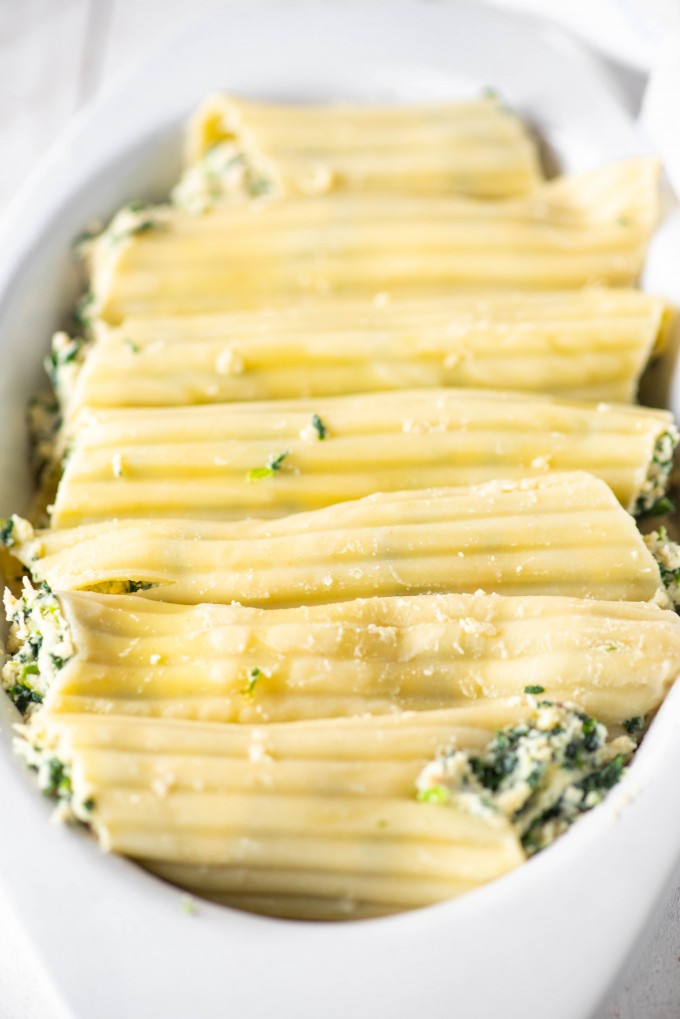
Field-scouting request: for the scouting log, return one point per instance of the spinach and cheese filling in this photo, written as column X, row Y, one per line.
column 226, row 171
column 132, row 220
column 667, row 554
column 39, row 645
column 44, row 430
column 54, row 777
column 47, row 434
column 63, row 364
column 541, row 774
column 652, row 497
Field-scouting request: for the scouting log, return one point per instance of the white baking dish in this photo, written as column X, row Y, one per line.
column 547, row 940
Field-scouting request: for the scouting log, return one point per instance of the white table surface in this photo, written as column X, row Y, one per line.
column 57, row 54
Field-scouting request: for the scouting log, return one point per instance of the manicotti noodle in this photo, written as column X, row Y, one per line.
column 311, row 820
column 558, row 534
column 476, row 147
column 571, row 232
column 591, row 345
column 230, row 663
column 269, row 459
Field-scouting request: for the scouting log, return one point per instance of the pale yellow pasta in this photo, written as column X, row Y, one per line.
column 588, row 229
column 268, row 460
column 559, row 534
column 591, row 345
column 308, row 811
column 476, row 147
column 398, row 737
column 229, row 663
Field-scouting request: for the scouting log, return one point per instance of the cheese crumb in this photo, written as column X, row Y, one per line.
column 228, row 362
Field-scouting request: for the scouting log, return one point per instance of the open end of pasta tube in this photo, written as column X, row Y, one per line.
column 19, row 541
column 227, row 171
column 541, row 774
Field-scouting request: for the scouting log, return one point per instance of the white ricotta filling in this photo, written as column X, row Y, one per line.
column 541, row 775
